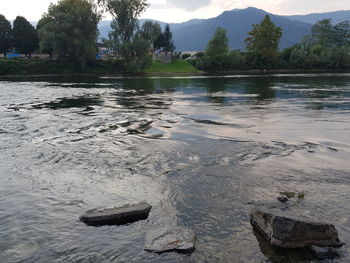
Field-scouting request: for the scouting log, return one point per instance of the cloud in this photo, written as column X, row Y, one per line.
column 188, row 5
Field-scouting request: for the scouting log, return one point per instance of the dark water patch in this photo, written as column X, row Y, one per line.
column 66, row 103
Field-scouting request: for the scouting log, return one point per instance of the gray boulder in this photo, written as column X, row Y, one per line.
column 170, row 239
column 287, row 232
column 117, row 216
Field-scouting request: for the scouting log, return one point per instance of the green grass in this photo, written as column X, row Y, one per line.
column 177, row 66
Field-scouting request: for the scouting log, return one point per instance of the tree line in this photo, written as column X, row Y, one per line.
column 22, row 36
column 327, row 47
column 69, row 30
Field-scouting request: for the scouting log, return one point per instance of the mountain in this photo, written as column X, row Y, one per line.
column 238, row 23
column 194, row 35
column 337, row 17
column 105, row 26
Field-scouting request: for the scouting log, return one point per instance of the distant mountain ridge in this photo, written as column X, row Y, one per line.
column 238, row 23
column 336, row 16
column 194, row 34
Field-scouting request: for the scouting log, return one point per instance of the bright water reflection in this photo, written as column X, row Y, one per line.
column 202, row 151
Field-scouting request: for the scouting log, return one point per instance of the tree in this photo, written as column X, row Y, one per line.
column 125, row 36
column 159, row 42
column 5, row 35
column 263, row 43
column 125, row 14
column 323, row 33
column 150, row 31
column 69, row 29
column 218, row 45
column 342, row 34
column 168, row 42
column 46, row 36
column 25, row 37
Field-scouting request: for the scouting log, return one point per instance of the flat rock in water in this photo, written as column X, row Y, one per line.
column 324, row 252
column 170, row 239
column 294, row 233
column 117, row 216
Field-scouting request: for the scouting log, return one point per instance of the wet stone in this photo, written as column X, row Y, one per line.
column 282, row 198
column 117, row 216
column 287, row 232
column 324, row 252
column 178, row 239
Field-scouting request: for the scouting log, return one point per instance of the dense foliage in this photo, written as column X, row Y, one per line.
column 165, row 41
column 126, row 39
column 5, row 35
column 150, row 31
column 263, row 42
column 328, row 47
column 69, row 29
column 25, row 37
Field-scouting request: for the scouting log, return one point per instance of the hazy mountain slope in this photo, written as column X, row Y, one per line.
column 337, row 16
column 195, row 34
column 237, row 23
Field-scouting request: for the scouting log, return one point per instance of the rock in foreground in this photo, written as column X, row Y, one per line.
column 174, row 239
column 294, row 233
column 117, row 216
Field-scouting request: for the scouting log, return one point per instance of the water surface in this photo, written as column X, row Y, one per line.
column 203, row 151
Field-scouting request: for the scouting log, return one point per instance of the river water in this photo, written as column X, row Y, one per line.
column 203, row 151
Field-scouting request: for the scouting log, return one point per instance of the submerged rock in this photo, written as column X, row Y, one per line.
column 324, row 252
column 282, row 198
column 174, row 239
column 286, row 232
column 287, row 196
column 117, row 216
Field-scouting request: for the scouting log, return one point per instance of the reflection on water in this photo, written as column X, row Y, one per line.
column 203, row 151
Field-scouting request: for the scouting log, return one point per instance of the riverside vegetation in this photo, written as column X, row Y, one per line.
column 71, row 43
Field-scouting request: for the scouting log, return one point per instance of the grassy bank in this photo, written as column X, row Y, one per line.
column 50, row 66
column 100, row 67
column 177, row 66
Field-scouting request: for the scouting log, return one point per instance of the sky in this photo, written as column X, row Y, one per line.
column 184, row 10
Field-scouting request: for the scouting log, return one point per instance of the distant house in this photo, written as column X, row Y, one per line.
column 192, row 55
column 103, row 51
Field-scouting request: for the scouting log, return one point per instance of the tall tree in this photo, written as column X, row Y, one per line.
column 125, row 36
column 151, row 31
column 69, row 29
column 125, row 14
column 342, row 34
column 5, row 35
column 46, row 35
column 218, row 45
column 323, row 33
column 168, row 44
column 25, row 37
column 263, row 43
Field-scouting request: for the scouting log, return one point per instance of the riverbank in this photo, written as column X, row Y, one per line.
column 56, row 68
column 51, row 67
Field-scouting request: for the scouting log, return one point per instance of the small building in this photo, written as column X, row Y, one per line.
column 191, row 55
column 103, row 51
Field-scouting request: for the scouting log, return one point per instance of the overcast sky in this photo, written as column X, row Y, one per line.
column 183, row 10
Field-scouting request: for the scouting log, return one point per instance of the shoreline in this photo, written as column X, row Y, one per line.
column 175, row 74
